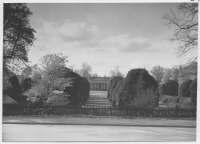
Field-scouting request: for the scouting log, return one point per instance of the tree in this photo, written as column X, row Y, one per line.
column 185, row 21
column 175, row 73
column 53, row 66
column 167, row 74
column 27, row 72
column 136, row 79
column 157, row 73
column 116, row 72
column 85, row 70
column 95, row 75
column 18, row 35
column 71, row 67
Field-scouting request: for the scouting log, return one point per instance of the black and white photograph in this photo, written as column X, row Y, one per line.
column 102, row 71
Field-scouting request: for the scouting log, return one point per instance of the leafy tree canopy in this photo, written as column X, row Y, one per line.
column 18, row 35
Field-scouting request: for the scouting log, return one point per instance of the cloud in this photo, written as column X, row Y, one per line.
column 69, row 31
column 84, row 35
column 82, row 41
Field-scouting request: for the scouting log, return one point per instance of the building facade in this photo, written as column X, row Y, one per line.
column 99, row 83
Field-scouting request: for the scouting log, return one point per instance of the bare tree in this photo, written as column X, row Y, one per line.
column 116, row 72
column 85, row 70
column 157, row 72
column 185, row 21
column 71, row 67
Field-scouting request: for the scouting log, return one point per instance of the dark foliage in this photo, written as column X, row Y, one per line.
column 18, row 35
column 193, row 92
column 26, row 84
column 169, row 88
column 135, row 78
column 79, row 90
column 86, row 89
column 184, row 89
column 15, row 92
column 16, row 88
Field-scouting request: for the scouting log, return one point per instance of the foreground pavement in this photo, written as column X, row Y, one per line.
column 100, row 121
column 24, row 132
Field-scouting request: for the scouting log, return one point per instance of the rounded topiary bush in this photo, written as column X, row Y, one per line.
column 193, row 92
column 136, row 79
column 16, row 88
column 169, row 88
column 15, row 92
column 75, row 89
column 184, row 89
column 26, row 84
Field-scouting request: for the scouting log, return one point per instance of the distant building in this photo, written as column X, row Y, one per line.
column 99, row 83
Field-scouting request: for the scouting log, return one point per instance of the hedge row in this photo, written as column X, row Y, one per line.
column 78, row 91
column 187, row 89
column 123, row 92
column 169, row 88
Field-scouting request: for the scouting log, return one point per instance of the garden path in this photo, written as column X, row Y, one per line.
column 98, row 98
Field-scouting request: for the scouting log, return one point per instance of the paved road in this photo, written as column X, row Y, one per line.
column 14, row 132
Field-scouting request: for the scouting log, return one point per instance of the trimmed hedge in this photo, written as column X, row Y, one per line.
column 15, row 92
column 184, row 89
column 193, row 92
column 134, row 79
column 79, row 90
column 169, row 88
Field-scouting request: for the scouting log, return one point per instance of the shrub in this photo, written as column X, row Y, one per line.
column 16, row 88
column 169, row 100
column 115, row 80
column 26, row 84
column 15, row 91
column 185, row 102
column 184, row 89
column 75, row 90
column 60, row 83
column 134, row 78
column 36, row 78
column 169, row 88
column 115, row 98
column 193, row 92
column 37, row 94
column 109, row 86
column 144, row 99
column 58, row 98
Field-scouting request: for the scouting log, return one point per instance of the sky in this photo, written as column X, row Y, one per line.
column 105, row 35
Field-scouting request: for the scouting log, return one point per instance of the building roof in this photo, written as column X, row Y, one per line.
column 99, row 79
